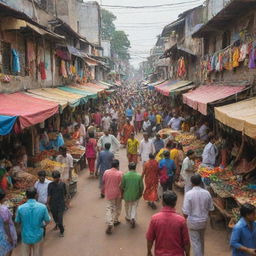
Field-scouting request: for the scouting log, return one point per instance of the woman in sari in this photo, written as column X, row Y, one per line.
column 91, row 152
column 127, row 130
column 151, row 175
column 8, row 235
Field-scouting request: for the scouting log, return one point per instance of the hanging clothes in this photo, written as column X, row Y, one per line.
column 236, row 55
column 243, row 52
column 15, row 61
column 42, row 70
column 181, row 67
column 63, row 69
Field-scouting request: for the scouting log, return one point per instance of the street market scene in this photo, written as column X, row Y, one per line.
column 127, row 128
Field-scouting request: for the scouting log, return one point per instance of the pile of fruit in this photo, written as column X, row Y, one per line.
column 43, row 155
column 185, row 138
column 168, row 132
column 206, row 172
column 76, row 150
column 24, row 180
column 49, row 166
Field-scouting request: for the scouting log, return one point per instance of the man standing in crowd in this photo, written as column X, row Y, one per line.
column 210, row 153
column 243, row 238
column 147, row 126
column 104, row 162
column 146, row 148
column 167, row 171
column 129, row 113
column 32, row 216
column 168, row 230
column 188, row 170
column 132, row 149
column 111, row 139
column 111, row 186
column 57, row 194
column 175, row 122
column 132, row 187
column 41, row 187
column 196, row 207
column 106, row 121
column 158, row 143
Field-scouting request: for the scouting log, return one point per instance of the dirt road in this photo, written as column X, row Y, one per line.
column 85, row 227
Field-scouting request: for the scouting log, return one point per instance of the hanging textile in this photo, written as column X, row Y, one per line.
column 42, row 70
column 15, row 61
column 243, row 52
column 63, row 69
column 236, row 55
column 181, row 67
column 252, row 58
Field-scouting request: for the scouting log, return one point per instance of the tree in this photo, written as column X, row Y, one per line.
column 107, row 27
column 120, row 44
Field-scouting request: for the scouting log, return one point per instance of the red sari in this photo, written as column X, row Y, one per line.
column 151, row 173
column 128, row 129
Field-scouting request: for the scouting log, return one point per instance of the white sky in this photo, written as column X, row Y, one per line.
column 143, row 25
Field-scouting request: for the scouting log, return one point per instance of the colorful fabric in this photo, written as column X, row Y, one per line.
column 15, row 61
column 6, row 124
column 236, row 55
column 6, row 216
column 91, row 146
column 128, row 129
column 63, row 69
column 42, row 70
column 151, row 173
column 132, row 146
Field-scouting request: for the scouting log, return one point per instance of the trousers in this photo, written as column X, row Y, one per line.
column 91, row 164
column 32, row 249
column 131, row 209
column 57, row 214
column 197, row 241
column 113, row 210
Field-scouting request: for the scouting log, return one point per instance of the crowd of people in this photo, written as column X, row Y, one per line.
column 126, row 114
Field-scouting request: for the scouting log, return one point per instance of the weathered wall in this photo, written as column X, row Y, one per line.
column 89, row 21
column 215, row 6
column 106, row 48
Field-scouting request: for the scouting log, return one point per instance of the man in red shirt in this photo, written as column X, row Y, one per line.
column 168, row 230
column 112, row 179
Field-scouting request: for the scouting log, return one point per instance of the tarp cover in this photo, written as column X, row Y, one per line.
column 172, row 86
column 240, row 116
column 152, row 85
column 6, row 124
column 200, row 97
column 84, row 93
column 30, row 110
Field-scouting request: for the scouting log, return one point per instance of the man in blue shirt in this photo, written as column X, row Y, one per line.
column 243, row 238
column 129, row 112
column 104, row 163
column 167, row 171
column 32, row 216
column 158, row 143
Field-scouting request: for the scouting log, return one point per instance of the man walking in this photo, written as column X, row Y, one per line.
column 132, row 187
column 146, row 148
column 111, row 139
column 168, row 230
column 132, row 149
column 41, row 187
column 57, row 194
column 32, row 216
column 243, row 238
column 197, row 205
column 112, row 179
column 104, row 163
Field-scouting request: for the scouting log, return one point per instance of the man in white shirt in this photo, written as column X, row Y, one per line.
column 41, row 187
column 106, row 121
column 188, row 170
column 175, row 122
column 196, row 207
column 67, row 159
column 146, row 126
column 146, row 148
column 210, row 153
column 86, row 119
column 111, row 139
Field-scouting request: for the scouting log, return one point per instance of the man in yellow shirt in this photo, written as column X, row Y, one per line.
column 132, row 149
column 159, row 120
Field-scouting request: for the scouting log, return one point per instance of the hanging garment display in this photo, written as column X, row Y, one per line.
column 42, row 70
column 236, row 55
column 181, row 67
column 63, row 69
column 243, row 52
column 252, row 57
column 15, row 61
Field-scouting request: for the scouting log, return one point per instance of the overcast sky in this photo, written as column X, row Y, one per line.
column 143, row 25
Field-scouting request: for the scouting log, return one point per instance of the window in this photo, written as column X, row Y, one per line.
column 6, row 57
column 226, row 39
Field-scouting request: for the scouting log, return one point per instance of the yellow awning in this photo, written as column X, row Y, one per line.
column 240, row 116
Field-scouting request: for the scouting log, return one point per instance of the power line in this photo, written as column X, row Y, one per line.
column 149, row 6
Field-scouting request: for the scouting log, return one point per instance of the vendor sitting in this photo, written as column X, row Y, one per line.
column 5, row 179
column 76, row 134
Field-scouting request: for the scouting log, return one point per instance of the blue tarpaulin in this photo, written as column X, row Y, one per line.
column 6, row 124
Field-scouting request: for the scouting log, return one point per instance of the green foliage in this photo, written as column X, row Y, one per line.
column 107, row 27
column 120, row 43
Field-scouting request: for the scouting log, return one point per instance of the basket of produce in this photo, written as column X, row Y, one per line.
column 24, row 180
column 49, row 166
column 168, row 132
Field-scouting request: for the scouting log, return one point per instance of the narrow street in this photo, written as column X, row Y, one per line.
column 85, row 227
